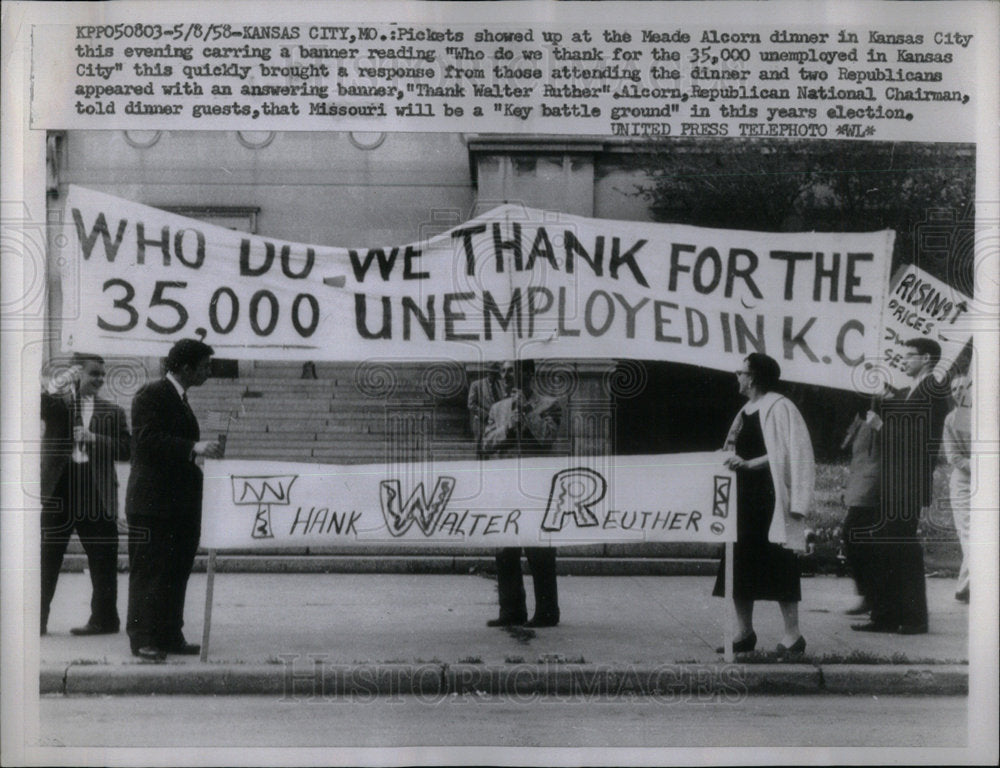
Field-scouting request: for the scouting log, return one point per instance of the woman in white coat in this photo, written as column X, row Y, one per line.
column 771, row 453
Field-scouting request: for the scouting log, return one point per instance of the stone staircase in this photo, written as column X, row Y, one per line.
column 336, row 418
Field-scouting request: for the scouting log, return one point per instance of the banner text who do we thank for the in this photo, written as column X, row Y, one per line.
column 513, row 281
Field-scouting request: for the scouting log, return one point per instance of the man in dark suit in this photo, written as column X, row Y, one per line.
column 84, row 436
column 523, row 423
column 163, row 503
column 910, row 424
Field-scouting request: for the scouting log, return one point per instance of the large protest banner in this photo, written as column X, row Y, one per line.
column 549, row 501
column 513, row 281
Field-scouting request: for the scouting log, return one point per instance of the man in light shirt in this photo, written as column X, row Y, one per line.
column 84, row 436
column 483, row 393
column 958, row 451
column 524, row 423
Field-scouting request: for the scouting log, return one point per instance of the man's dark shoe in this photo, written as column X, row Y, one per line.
column 184, row 649
column 507, row 621
column 149, row 653
column 874, row 626
column 859, row 609
column 94, row 629
column 543, row 621
column 963, row 596
column 912, row 629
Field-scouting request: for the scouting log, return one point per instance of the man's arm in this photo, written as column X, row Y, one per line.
column 939, row 412
column 477, row 412
column 499, row 427
column 154, row 442
column 852, row 432
column 57, row 390
column 542, row 421
column 953, row 444
column 117, row 444
column 53, row 408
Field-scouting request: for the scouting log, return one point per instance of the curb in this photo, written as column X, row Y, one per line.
column 295, row 680
column 946, row 679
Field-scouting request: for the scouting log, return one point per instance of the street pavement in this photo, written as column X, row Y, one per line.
column 936, row 725
column 405, row 632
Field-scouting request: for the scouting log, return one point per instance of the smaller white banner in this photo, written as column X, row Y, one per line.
column 549, row 501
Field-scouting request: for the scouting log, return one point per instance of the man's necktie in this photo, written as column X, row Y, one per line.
column 187, row 407
column 79, row 449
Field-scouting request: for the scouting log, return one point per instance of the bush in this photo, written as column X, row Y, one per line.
column 942, row 552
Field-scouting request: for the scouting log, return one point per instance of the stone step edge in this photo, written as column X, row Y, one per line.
column 296, row 678
column 429, row 564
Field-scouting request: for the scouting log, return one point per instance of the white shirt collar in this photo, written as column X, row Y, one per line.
column 177, row 385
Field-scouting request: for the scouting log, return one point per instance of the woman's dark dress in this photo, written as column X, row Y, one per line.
column 761, row 570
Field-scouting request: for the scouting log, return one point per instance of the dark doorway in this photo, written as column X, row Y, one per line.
column 686, row 408
column 681, row 408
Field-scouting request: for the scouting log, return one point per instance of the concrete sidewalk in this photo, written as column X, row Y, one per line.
column 335, row 634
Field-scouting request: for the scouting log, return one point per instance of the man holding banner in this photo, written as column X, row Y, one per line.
column 910, row 425
column 524, row 423
column 163, row 503
column 483, row 393
column 84, row 436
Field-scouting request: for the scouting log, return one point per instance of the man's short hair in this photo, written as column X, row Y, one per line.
column 79, row 358
column 925, row 346
column 187, row 352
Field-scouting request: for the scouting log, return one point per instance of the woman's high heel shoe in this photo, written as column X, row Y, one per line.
column 798, row 647
column 745, row 645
